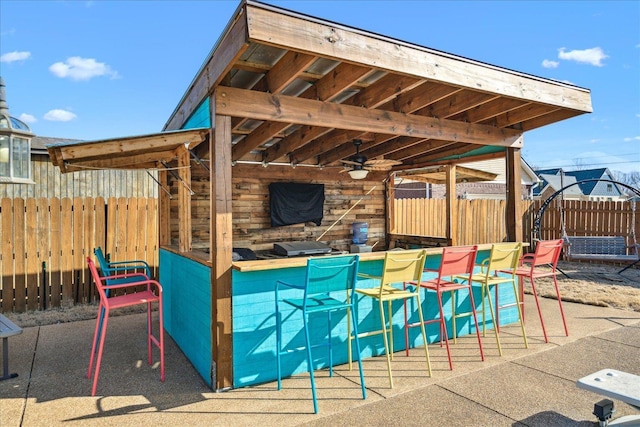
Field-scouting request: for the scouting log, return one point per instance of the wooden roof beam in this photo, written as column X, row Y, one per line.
column 417, row 147
column 347, row 149
column 455, row 104
column 488, row 110
column 384, row 90
column 302, row 136
column 548, row 118
column 287, row 70
column 420, row 97
column 522, row 114
column 288, row 109
column 327, row 142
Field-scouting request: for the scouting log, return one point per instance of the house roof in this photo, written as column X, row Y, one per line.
column 39, row 143
column 586, row 188
column 300, row 89
column 589, row 174
column 556, row 182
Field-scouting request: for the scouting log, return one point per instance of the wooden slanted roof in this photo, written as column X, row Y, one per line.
column 438, row 175
column 300, row 90
column 136, row 152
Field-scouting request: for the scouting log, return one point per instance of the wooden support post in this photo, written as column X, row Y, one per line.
column 514, row 195
column 164, row 210
column 184, row 200
column 391, row 213
column 452, row 205
column 221, row 251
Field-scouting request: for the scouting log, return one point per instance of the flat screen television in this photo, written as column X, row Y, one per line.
column 295, row 203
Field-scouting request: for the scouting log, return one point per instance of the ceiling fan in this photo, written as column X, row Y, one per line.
column 360, row 165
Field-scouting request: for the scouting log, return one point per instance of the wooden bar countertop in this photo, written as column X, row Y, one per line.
column 272, row 264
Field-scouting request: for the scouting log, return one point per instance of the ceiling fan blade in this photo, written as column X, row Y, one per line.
column 382, row 162
column 351, row 162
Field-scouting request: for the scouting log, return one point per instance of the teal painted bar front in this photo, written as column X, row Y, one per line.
column 186, row 287
column 254, row 338
column 187, row 301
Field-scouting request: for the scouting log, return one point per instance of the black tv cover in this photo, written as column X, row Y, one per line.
column 293, row 203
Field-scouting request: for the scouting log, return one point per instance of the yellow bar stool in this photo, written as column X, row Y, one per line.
column 400, row 268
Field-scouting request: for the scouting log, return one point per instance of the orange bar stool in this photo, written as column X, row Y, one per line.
column 531, row 266
column 454, row 274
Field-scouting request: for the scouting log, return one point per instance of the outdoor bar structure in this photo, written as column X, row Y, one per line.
column 280, row 100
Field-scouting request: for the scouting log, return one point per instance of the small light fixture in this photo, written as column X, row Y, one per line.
column 358, row 173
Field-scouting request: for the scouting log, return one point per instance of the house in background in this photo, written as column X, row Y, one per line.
column 26, row 170
column 582, row 185
column 484, row 179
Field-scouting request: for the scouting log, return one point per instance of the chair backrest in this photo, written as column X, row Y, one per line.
column 504, row 256
column 97, row 279
column 547, row 252
column 102, row 261
column 457, row 260
column 331, row 274
column 403, row 266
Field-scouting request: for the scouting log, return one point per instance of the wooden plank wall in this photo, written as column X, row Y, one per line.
column 45, row 243
column 252, row 227
column 251, row 223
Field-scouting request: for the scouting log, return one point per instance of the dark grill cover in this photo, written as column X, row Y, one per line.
column 293, row 203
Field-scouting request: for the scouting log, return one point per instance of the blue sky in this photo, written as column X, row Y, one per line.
column 105, row 69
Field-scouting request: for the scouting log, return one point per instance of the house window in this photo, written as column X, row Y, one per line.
column 15, row 146
column 609, row 188
column 15, row 153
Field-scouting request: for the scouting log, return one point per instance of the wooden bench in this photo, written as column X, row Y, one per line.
column 601, row 248
column 7, row 329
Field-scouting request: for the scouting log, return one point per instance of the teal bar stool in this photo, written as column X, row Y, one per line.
column 328, row 287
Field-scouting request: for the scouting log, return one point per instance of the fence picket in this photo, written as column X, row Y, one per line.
column 31, row 254
column 55, row 269
column 20, row 284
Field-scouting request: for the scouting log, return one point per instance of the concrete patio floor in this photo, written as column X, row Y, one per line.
column 524, row 387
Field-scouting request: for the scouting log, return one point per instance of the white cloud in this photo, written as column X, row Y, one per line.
column 59, row 115
column 593, row 56
column 14, row 56
column 27, row 118
column 547, row 63
column 77, row 68
column 635, row 138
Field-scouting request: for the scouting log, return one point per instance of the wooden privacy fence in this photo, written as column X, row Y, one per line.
column 45, row 243
column 483, row 221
